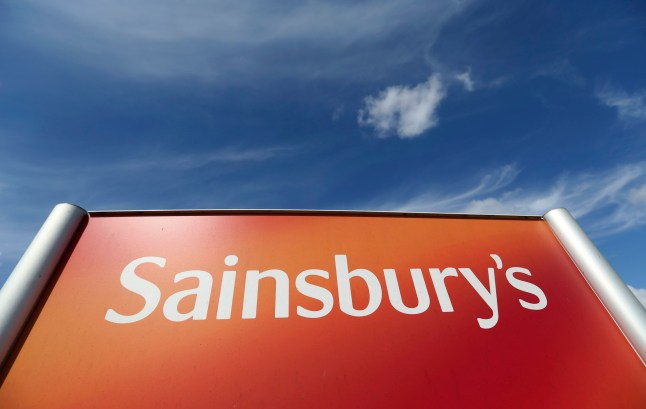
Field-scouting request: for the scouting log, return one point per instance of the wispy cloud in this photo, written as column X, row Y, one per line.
column 196, row 160
column 640, row 293
column 616, row 198
column 466, row 80
column 405, row 111
column 638, row 195
column 215, row 40
column 630, row 107
column 431, row 201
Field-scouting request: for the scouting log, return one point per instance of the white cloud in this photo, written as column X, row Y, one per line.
column 611, row 200
column 466, row 80
column 640, row 293
column 630, row 107
column 406, row 111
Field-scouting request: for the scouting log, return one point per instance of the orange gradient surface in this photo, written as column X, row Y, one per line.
column 568, row 355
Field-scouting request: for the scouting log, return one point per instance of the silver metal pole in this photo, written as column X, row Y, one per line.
column 620, row 302
column 23, row 288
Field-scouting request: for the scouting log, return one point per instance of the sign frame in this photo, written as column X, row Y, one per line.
column 24, row 288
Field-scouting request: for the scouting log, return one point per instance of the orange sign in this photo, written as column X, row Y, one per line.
column 320, row 311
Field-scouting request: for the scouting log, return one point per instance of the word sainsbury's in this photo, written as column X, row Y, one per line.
column 532, row 297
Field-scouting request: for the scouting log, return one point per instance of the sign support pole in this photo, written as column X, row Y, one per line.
column 620, row 302
column 23, row 288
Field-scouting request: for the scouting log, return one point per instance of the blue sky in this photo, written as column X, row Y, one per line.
column 439, row 106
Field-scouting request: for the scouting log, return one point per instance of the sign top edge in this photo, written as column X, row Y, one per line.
column 305, row 212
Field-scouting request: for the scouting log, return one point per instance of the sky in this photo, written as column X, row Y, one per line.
column 432, row 106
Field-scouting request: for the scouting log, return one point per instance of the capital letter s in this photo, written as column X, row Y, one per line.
column 132, row 282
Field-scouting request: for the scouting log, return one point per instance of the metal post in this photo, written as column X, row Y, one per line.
column 620, row 302
column 23, row 288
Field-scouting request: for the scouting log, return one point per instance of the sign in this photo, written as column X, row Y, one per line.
column 319, row 310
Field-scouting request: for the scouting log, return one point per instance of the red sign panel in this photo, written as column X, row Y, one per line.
column 321, row 311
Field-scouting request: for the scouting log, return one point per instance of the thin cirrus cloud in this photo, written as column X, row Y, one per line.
column 224, row 156
column 216, row 40
column 466, row 80
column 404, row 111
column 613, row 200
column 630, row 107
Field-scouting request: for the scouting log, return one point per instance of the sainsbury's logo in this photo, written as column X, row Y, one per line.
column 531, row 296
